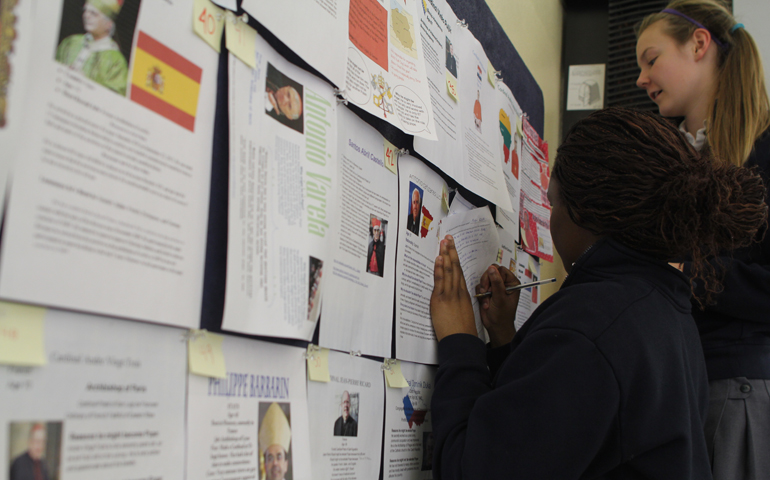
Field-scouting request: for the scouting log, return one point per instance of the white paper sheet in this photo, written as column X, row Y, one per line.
column 317, row 30
column 478, row 245
column 385, row 64
column 460, row 204
column 440, row 35
column 408, row 451
column 527, row 270
column 230, row 420
column 535, row 210
column 358, row 303
column 356, row 392
column 16, row 36
column 469, row 141
column 108, row 209
column 111, row 399
column 283, row 167
column 228, row 4
column 417, row 247
column 510, row 115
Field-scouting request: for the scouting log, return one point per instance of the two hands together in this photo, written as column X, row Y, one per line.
column 451, row 307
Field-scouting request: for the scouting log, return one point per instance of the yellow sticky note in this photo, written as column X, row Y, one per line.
column 209, row 22
column 445, row 199
column 318, row 365
column 519, row 127
column 451, row 86
column 391, row 156
column 393, row 375
column 491, row 74
column 241, row 40
column 204, row 351
column 22, row 340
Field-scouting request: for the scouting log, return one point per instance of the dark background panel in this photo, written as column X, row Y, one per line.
column 503, row 56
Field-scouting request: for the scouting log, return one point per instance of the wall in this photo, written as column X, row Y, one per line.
column 754, row 14
column 535, row 29
column 585, row 42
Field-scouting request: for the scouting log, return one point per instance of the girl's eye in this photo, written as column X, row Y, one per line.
column 652, row 62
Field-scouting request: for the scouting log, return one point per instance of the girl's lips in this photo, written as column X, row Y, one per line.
column 654, row 95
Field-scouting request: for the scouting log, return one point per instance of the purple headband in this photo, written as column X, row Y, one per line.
column 696, row 23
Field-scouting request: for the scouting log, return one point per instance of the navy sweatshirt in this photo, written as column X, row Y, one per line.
column 605, row 380
column 735, row 331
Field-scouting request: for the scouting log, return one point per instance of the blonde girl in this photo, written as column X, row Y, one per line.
column 698, row 63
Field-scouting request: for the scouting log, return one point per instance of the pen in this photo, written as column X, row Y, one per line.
column 519, row 287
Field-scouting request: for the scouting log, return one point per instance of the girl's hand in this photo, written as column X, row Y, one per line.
column 498, row 311
column 450, row 304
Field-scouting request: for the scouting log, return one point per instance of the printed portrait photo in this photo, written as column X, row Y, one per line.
column 34, row 450
column 314, row 295
column 415, row 207
column 451, row 60
column 274, row 440
column 375, row 254
column 284, row 100
column 95, row 39
column 346, row 424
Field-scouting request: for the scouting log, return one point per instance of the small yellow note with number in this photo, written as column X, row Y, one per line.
column 204, row 351
column 22, row 334
column 491, row 74
column 391, row 156
column 318, row 366
column 209, row 22
column 451, row 86
column 393, row 375
column 241, row 40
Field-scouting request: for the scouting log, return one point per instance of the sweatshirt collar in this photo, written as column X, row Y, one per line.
column 608, row 258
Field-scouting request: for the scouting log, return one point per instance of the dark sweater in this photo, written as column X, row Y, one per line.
column 736, row 330
column 605, row 380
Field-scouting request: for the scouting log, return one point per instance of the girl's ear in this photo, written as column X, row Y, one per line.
column 701, row 40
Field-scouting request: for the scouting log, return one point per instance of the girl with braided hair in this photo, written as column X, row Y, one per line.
column 698, row 63
column 607, row 378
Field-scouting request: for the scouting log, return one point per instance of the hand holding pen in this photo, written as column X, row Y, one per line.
column 496, row 306
column 518, row 287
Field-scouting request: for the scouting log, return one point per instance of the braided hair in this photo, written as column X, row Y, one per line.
column 632, row 176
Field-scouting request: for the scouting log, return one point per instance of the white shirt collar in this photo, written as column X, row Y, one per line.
column 700, row 136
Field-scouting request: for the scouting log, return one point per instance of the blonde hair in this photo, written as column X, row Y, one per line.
column 740, row 112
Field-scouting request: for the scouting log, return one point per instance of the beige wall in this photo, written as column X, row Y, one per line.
column 535, row 29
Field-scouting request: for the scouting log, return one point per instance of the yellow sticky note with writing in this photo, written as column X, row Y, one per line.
column 451, row 86
column 22, row 334
column 209, row 22
column 393, row 375
column 318, row 366
column 391, row 156
column 491, row 74
column 204, row 351
column 241, row 40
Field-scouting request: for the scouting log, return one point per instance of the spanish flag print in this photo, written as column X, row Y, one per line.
column 165, row 82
